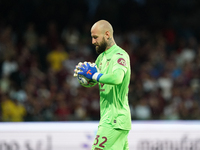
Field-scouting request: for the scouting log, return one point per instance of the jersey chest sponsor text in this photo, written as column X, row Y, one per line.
column 102, row 84
column 103, row 66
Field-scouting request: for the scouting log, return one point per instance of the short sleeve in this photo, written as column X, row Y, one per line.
column 120, row 61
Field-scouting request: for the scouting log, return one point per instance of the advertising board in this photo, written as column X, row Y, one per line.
column 81, row 135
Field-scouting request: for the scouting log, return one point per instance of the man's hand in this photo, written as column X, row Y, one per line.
column 76, row 70
column 87, row 70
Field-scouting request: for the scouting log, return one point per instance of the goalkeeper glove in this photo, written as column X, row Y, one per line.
column 76, row 70
column 89, row 71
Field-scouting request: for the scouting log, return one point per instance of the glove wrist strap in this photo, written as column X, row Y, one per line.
column 97, row 76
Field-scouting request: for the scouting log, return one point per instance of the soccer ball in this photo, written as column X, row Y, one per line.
column 85, row 81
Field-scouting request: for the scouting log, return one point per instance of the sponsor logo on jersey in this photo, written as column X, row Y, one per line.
column 100, row 66
column 101, row 85
column 119, row 54
column 121, row 61
column 107, row 64
column 98, row 148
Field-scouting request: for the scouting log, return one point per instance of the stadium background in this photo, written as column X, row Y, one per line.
column 41, row 41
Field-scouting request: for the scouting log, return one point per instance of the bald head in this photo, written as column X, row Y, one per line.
column 102, row 35
column 103, row 26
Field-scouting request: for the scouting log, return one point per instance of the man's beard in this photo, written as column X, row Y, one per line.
column 101, row 47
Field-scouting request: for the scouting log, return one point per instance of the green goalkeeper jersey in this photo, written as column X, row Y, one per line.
column 114, row 107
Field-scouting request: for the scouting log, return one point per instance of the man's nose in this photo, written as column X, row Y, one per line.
column 93, row 41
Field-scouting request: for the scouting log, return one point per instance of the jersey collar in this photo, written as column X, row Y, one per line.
column 111, row 49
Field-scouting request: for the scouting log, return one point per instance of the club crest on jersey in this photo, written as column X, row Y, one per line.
column 121, row 61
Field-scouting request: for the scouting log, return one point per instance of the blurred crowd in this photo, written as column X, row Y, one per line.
column 37, row 83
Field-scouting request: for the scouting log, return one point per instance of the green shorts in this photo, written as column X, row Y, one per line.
column 108, row 138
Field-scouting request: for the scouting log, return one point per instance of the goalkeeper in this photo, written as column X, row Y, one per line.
column 113, row 78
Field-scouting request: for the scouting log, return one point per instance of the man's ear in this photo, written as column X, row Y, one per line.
column 107, row 35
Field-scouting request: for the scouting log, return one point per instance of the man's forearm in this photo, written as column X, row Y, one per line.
column 112, row 78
